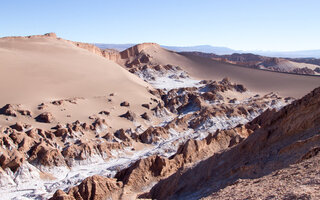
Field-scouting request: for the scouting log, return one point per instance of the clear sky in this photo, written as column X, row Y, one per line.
column 238, row 24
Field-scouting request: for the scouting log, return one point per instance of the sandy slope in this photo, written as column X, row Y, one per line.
column 253, row 79
column 44, row 68
column 41, row 69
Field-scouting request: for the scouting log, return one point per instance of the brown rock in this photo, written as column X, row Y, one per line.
column 60, row 132
column 97, row 188
column 146, row 105
column 122, row 135
column 98, row 123
column 109, row 137
column 15, row 162
column 145, row 171
column 128, row 115
column 18, row 126
column 153, row 134
column 145, row 116
column 42, row 106
column 104, row 113
column 45, row 117
column 57, row 102
column 8, row 110
column 61, row 195
column 125, row 104
column 46, row 156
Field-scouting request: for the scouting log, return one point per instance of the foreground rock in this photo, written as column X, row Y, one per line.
column 285, row 137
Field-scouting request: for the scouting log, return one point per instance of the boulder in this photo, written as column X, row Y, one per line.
column 125, row 104
column 146, row 106
column 45, row 117
column 8, row 110
column 128, row 115
column 145, row 116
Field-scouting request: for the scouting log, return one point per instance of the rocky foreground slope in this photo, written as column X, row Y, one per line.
column 286, row 137
column 277, row 139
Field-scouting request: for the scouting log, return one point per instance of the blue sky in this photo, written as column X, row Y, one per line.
column 238, row 24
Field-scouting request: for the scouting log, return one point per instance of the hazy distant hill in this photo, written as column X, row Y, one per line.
column 203, row 48
column 222, row 50
column 291, row 54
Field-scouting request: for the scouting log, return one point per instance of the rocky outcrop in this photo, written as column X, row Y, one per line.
column 46, row 35
column 94, row 188
column 8, row 110
column 42, row 154
column 53, row 35
column 153, row 134
column 135, row 50
column 14, row 110
column 285, row 137
column 118, row 57
column 145, row 116
column 104, row 112
column 20, row 126
column 152, row 169
column 146, row 106
column 121, row 134
column 128, row 115
column 45, row 117
column 125, row 104
column 304, row 70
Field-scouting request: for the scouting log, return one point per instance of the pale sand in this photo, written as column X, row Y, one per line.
column 43, row 69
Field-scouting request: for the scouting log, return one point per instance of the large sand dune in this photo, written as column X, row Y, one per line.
column 42, row 68
column 256, row 80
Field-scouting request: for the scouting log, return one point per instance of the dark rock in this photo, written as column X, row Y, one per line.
column 45, row 117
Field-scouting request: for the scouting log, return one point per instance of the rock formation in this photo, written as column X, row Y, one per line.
column 285, row 137
column 275, row 140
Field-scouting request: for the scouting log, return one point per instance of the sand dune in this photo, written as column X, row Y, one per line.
column 256, row 80
column 42, row 69
column 46, row 68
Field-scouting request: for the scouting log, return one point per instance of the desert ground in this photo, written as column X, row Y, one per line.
column 79, row 122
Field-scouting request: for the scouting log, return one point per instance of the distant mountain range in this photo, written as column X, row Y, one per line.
column 222, row 50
